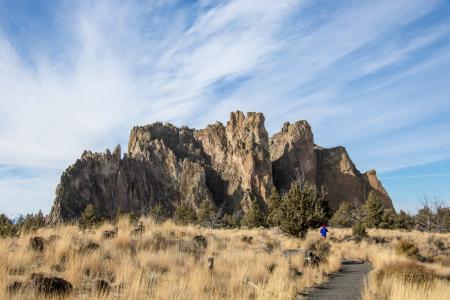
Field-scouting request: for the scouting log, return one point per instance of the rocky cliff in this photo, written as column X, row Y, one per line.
column 342, row 180
column 227, row 165
column 292, row 154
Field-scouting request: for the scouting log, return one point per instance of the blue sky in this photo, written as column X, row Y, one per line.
column 373, row 76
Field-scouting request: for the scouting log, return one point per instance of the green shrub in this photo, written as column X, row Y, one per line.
column 275, row 215
column 407, row 248
column 88, row 218
column 185, row 214
column 343, row 216
column 318, row 246
column 436, row 243
column 404, row 221
column 359, row 231
column 388, row 219
column 31, row 222
column 133, row 219
column 159, row 213
column 254, row 217
column 301, row 208
column 7, row 228
column 231, row 221
column 373, row 211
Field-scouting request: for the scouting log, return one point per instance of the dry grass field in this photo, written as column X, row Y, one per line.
column 163, row 263
column 167, row 262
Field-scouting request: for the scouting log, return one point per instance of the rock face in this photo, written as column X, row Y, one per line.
column 292, row 154
column 343, row 182
column 227, row 165
column 240, row 159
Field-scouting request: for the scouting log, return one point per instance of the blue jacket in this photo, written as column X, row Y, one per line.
column 323, row 231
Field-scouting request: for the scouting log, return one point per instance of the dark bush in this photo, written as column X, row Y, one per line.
column 7, row 228
column 88, row 218
column 254, row 217
column 407, row 248
column 359, row 231
column 185, row 214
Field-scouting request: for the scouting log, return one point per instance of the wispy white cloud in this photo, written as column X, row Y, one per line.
column 138, row 62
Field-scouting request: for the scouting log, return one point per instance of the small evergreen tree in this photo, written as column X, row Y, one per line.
column 88, row 218
column 158, row 212
column 388, row 219
column 254, row 217
column 185, row 214
column 302, row 207
column 31, row 222
column 7, row 228
column 343, row 216
column 373, row 211
column 133, row 219
column 359, row 231
column 274, row 217
column 228, row 221
column 232, row 221
column 404, row 221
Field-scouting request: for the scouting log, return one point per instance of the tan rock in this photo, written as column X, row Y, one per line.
column 227, row 165
column 292, row 154
column 337, row 173
column 239, row 153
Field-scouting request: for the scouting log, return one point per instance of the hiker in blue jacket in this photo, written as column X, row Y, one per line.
column 323, row 231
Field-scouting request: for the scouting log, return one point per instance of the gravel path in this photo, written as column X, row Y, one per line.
column 344, row 285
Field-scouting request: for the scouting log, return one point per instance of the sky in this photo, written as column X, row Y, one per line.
column 373, row 76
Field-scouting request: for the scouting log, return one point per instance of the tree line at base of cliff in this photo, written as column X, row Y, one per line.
column 300, row 208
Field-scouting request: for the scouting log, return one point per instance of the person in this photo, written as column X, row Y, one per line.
column 323, row 231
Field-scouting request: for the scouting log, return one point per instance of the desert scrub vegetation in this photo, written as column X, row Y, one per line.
column 160, row 261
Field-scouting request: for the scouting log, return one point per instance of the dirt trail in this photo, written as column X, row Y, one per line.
column 346, row 284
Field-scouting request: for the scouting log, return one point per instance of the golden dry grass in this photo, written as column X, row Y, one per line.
column 161, row 264
column 395, row 275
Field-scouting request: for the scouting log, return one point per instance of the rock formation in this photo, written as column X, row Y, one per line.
column 227, row 165
column 239, row 155
column 292, row 154
column 342, row 180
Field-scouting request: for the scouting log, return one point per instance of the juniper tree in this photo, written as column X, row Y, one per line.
column 388, row 219
column 373, row 210
column 7, row 228
column 302, row 207
column 274, row 217
column 158, row 212
column 88, row 218
column 343, row 217
column 254, row 217
column 404, row 221
column 185, row 213
column 31, row 222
